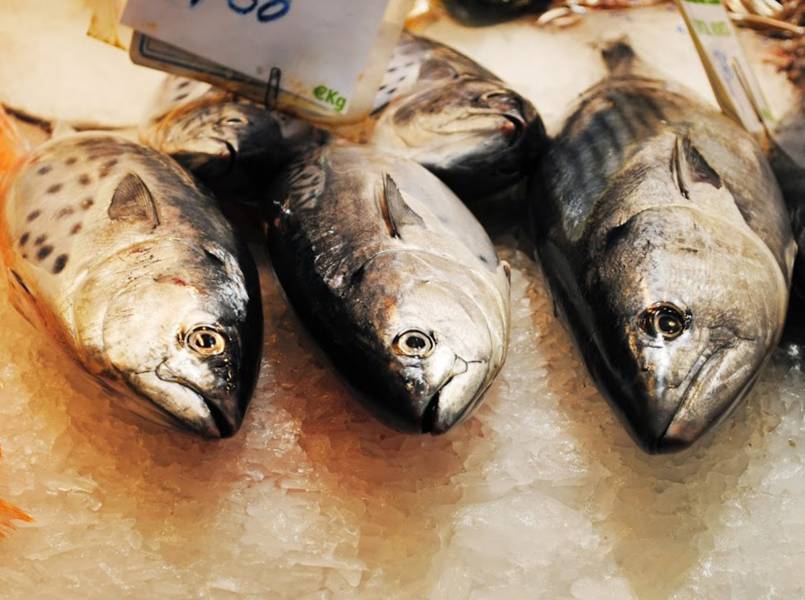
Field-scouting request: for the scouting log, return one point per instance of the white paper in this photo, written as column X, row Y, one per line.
column 321, row 46
column 710, row 24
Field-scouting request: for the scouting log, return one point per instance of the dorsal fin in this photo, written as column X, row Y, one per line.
column 688, row 166
column 396, row 212
column 133, row 202
column 619, row 56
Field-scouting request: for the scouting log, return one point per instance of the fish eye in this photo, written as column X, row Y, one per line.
column 664, row 319
column 414, row 343
column 205, row 340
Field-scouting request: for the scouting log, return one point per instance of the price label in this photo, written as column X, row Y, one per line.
column 321, row 48
column 730, row 74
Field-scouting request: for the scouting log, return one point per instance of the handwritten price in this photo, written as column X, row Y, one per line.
column 270, row 10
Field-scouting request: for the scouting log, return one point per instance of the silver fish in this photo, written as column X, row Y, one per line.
column 451, row 115
column 396, row 278
column 117, row 253
column 666, row 244
column 219, row 137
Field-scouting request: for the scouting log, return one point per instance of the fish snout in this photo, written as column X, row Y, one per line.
column 456, row 398
column 675, row 418
column 216, row 412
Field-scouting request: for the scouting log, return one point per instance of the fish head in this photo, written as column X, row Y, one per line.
column 469, row 132
column 691, row 306
column 438, row 350
column 194, row 354
column 210, row 136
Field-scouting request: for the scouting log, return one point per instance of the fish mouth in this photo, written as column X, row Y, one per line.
column 456, row 398
column 707, row 399
column 223, row 421
column 514, row 127
column 178, row 403
column 217, row 161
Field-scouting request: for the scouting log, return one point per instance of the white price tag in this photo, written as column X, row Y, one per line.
column 321, row 47
column 735, row 87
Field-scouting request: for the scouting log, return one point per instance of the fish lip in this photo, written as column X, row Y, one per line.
column 224, row 426
column 436, row 421
column 519, row 124
column 669, row 441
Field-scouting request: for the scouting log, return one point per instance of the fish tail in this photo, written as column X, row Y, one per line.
column 619, row 56
column 12, row 145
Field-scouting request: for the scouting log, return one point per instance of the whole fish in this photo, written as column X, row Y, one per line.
column 435, row 106
column 452, row 116
column 396, row 278
column 668, row 251
column 116, row 251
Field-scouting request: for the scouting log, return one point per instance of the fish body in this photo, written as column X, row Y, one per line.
column 453, row 116
column 396, row 278
column 129, row 265
column 666, row 245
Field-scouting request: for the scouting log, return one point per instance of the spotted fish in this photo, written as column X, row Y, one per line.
column 396, row 278
column 666, row 245
column 117, row 253
column 454, row 117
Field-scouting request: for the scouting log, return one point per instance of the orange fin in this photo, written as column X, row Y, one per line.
column 12, row 145
column 9, row 513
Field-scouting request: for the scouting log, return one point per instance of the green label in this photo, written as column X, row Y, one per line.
column 331, row 97
column 718, row 28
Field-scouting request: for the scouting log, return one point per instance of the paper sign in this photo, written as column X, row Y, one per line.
column 320, row 47
column 734, row 85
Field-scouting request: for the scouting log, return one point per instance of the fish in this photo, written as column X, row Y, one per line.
column 454, row 117
column 787, row 158
column 434, row 106
column 128, row 265
column 667, row 249
column 225, row 140
column 233, row 145
column 396, row 279
column 10, row 513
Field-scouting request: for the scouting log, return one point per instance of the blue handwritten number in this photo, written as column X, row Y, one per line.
column 270, row 11
column 233, row 4
column 274, row 9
